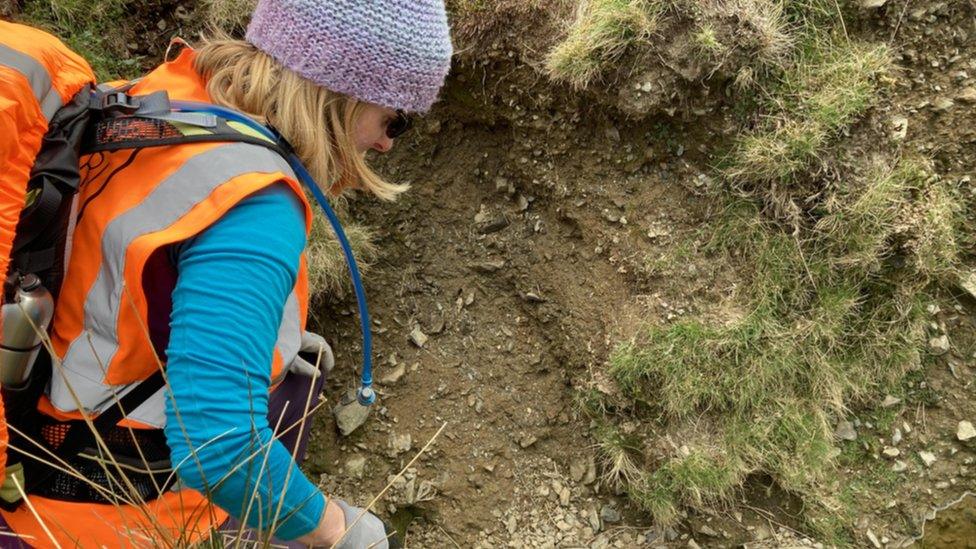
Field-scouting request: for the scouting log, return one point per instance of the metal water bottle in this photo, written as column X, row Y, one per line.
column 25, row 322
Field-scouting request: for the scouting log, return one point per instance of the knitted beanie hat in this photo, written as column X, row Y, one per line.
column 395, row 53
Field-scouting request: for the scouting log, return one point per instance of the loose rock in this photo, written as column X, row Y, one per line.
column 942, row 104
column 845, row 431
column 400, row 443
column 871, row 4
column 417, row 337
column 355, row 466
column 928, row 458
column 874, row 539
column 967, row 95
column 967, row 282
column 395, row 375
column 939, row 345
column 898, row 127
column 890, row 401
column 609, row 513
column 350, row 416
column 965, row 431
column 488, row 267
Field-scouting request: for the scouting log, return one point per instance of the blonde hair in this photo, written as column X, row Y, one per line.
column 316, row 121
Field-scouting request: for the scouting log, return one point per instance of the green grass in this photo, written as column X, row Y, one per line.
column 833, row 294
column 832, row 83
column 833, row 322
column 602, row 31
column 90, row 29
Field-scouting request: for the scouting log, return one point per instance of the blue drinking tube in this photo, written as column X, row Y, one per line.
column 365, row 395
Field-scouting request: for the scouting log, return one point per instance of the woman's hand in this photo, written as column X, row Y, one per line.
column 368, row 530
column 330, row 527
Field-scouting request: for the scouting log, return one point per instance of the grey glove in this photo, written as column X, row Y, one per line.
column 369, row 531
column 313, row 344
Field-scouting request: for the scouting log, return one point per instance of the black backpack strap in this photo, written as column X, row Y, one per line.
column 81, row 436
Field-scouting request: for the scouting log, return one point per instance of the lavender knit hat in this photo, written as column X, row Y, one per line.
column 394, row 53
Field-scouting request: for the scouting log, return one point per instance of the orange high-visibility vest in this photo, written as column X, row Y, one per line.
column 129, row 207
column 38, row 74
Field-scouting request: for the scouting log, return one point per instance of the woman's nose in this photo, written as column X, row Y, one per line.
column 383, row 144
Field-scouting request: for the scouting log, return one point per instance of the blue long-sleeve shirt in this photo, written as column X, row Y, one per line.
column 232, row 283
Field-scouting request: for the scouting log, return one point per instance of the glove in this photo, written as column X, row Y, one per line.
column 369, row 531
column 313, row 344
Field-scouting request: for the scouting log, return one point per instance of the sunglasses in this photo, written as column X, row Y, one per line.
column 399, row 125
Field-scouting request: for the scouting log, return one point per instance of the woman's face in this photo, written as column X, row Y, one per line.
column 370, row 130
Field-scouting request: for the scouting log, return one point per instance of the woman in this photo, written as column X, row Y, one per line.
column 193, row 254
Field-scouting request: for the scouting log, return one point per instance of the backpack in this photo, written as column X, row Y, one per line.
column 97, row 119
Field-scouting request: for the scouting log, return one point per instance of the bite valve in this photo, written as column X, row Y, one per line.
column 366, row 396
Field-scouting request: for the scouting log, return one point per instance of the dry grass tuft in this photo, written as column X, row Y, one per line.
column 327, row 269
column 230, row 16
column 602, row 31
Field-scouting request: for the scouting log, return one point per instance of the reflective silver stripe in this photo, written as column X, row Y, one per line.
column 290, row 331
column 95, row 347
column 36, row 75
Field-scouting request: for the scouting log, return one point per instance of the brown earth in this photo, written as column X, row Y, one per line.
column 527, row 248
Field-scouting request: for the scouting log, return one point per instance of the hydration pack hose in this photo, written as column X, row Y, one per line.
column 365, row 395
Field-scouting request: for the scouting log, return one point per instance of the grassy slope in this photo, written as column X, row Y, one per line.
column 839, row 271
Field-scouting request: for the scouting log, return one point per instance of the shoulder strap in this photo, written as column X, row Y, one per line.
column 137, row 122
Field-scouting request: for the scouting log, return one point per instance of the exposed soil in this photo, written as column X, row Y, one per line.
column 526, row 249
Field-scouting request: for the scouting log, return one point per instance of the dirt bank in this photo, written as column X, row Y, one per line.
column 522, row 253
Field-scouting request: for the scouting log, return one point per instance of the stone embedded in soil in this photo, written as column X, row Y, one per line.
column 870, row 4
column 527, row 440
column 577, row 468
column 939, row 345
column 494, row 225
column 355, row 466
column 845, row 431
column 942, row 104
column 899, row 466
column 928, row 458
column 417, row 337
column 967, row 281
column 609, row 513
column 874, row 539
column 965, row 431
column 488, row 267
column 967, row 95
column 890, row 401
column 891, row 452
column 400, row 443
column 395, row 375
column 590, row 476
column 898, row 127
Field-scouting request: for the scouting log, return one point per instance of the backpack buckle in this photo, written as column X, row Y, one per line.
column 115, row 102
